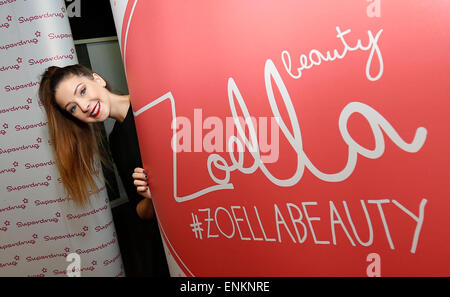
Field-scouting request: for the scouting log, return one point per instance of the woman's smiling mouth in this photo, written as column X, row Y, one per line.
column 95, row 112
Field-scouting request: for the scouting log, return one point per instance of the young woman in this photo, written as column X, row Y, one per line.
column 73, row 98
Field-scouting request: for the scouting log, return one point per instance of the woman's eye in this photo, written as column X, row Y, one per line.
column 72, row 110
column 83, row 91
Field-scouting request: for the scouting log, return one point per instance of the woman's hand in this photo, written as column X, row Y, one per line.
column 144, row 208
column 141, row 182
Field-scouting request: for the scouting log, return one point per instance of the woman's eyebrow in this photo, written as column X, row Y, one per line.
column 74, row 92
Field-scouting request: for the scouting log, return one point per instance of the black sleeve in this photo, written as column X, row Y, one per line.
column 124, row 145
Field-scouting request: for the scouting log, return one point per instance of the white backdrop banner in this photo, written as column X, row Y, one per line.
column 39, row 224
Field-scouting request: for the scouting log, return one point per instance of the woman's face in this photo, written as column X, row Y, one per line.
column 84, row 98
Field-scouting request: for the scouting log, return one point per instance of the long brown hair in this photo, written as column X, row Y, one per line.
column 73, row 141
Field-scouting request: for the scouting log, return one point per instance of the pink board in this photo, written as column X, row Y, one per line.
column 348, row 150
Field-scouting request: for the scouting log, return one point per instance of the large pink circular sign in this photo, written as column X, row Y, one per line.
column 295, row 138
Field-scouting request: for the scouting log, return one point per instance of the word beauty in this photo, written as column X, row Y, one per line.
column 315, row 57
column 377, row 122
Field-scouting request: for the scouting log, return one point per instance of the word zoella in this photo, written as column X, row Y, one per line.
column 377, row 122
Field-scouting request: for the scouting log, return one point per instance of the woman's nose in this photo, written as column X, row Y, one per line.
column 84, row 106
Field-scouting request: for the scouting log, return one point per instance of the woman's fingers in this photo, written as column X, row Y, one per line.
column 139, row 170
column 140, row 176
column 141, row 185
column 140, row 173
column 140, row 180
column 145, row 192
column 142, row 189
